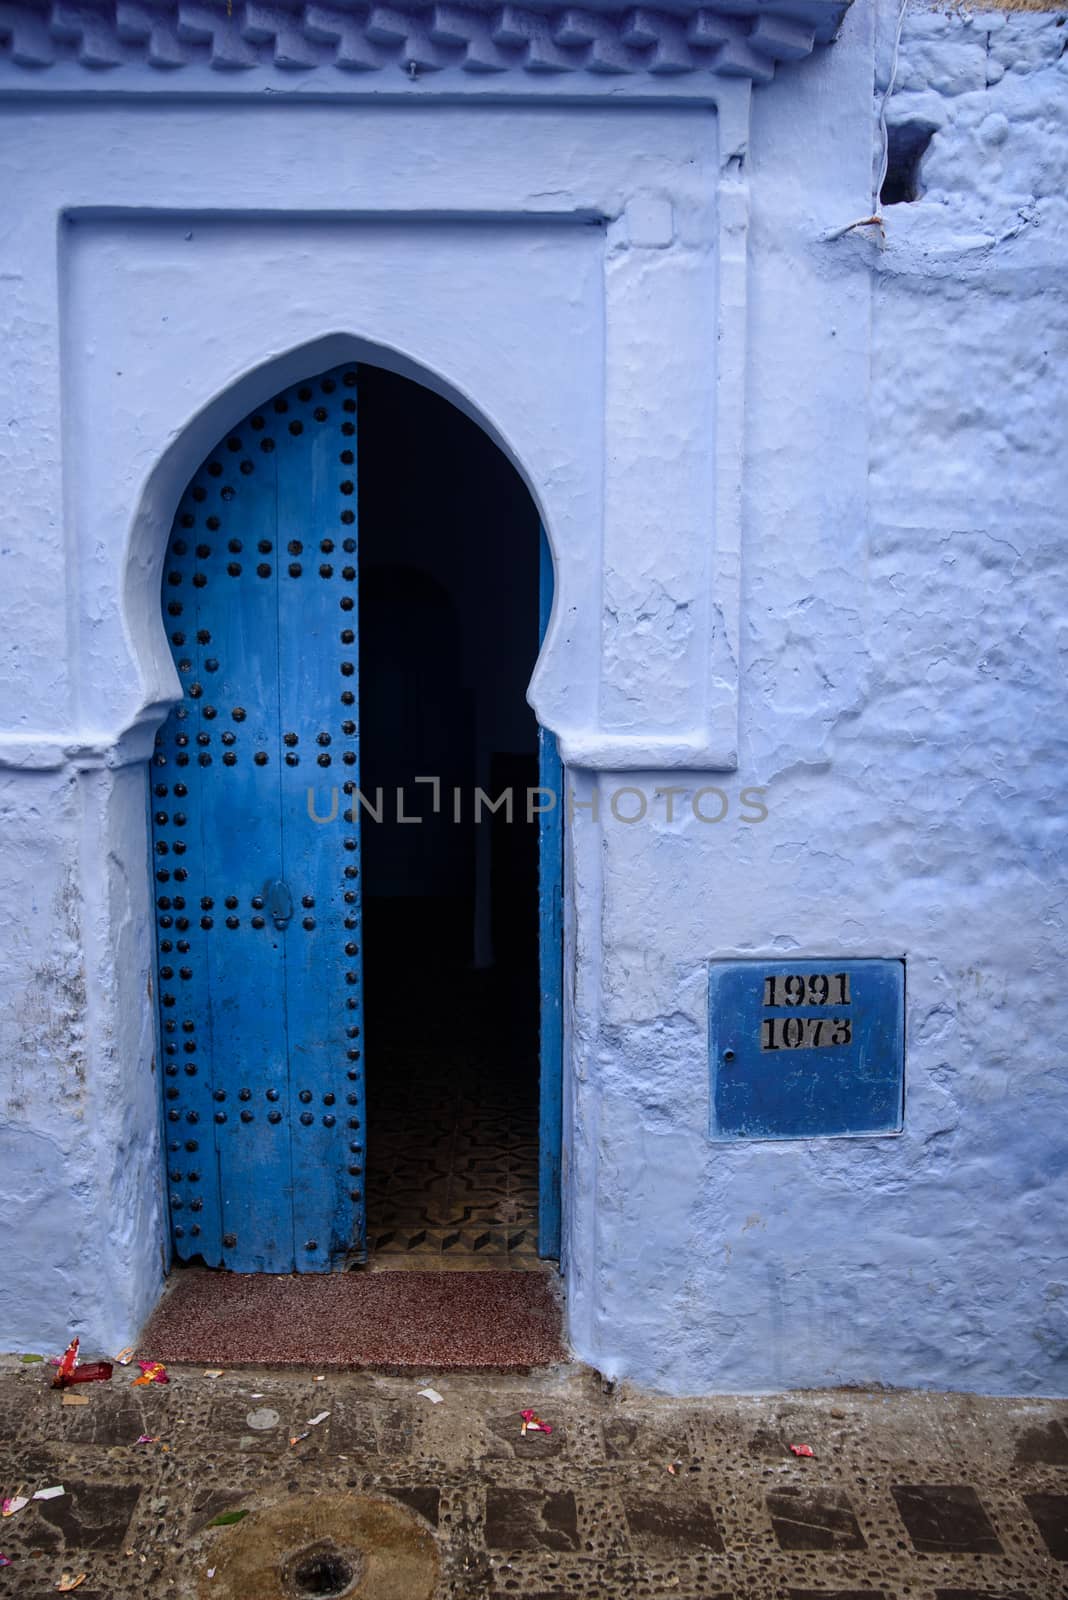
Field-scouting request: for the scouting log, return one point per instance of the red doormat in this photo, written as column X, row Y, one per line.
column 495, row 1320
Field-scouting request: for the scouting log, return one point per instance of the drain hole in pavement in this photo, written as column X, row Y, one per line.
column 323, row 1573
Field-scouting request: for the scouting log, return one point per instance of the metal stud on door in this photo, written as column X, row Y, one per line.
column 257, row 865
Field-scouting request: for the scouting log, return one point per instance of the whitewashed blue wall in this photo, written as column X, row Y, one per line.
column 903, row 700
column 899, row 664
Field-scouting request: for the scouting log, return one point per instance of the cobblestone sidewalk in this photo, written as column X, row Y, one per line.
column 906, row 1497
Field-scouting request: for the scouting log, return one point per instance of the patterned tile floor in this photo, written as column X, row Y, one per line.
column 452, row 1094
column 452, row 1176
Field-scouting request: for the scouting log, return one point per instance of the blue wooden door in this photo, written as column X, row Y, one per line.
column 550, row 954
column 257, row 849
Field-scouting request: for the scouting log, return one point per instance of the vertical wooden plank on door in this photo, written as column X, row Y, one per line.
column 318, row 674
column 223, row 1008
column 183, row 923
column 550, row 953
column 237, row 636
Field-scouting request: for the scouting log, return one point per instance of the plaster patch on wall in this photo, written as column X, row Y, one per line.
column 51, row 1015
column 647, row 624
column 41, row 1285
column 44, row 1036
column 30, row 464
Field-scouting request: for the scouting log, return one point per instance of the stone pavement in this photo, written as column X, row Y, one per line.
column 393, row 1497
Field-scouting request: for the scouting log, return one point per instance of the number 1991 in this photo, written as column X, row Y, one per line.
column 818, row 989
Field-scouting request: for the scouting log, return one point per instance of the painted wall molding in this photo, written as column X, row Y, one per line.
column 646, row 537
column 141, row 46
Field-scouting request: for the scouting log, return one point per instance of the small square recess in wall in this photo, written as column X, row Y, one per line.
column 806, row 1049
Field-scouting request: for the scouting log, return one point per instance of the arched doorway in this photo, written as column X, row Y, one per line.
column 349, row 957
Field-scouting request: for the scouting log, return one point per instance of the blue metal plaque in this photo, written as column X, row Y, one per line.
column 806, row 1049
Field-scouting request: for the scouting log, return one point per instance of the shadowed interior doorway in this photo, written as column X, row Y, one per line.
column 449, row 634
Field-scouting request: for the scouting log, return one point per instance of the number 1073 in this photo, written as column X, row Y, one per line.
column 804, row 1033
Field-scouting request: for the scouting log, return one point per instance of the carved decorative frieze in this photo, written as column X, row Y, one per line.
column 249, row 40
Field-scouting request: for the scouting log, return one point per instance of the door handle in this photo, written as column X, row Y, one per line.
column 279, row 902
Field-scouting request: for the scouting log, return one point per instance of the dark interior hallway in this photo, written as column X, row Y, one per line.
column 449, row 636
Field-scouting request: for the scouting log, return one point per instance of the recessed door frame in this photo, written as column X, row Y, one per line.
column 558, row 219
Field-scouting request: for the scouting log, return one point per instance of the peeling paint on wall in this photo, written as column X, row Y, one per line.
column 51, row 1012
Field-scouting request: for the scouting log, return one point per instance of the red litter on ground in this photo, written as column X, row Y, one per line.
column 802, row 1450
column 68, row 1371
column 91, row 1372
column 66, row 1364
column 151, row 1372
